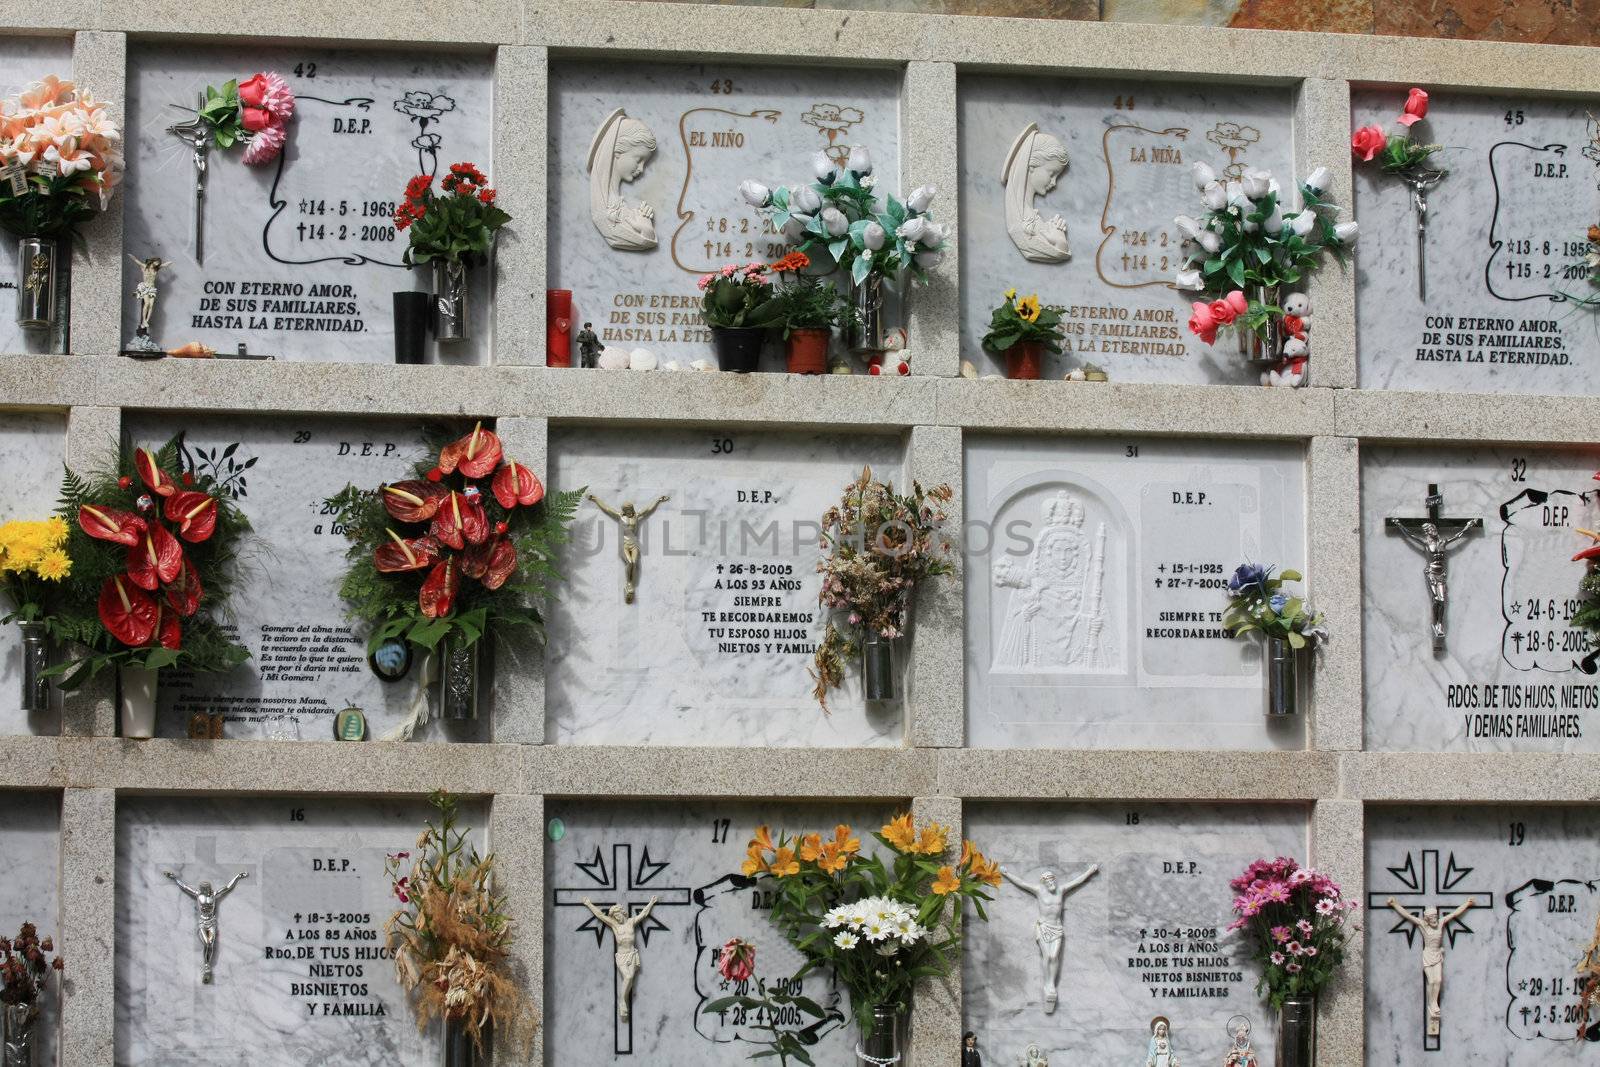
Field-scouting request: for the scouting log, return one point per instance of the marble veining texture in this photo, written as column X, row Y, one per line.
column 1169, row 869
column 654, row 672
column 30, row 841
column 714, row 125
column 1129, row 175
column 1094, row 597
column 251, row 1014
column 1502, row 584
column 1509, row 962
column 33, row 446
column 319, row 215
column 290, row 577
column 1505, row 238
column 688, row 857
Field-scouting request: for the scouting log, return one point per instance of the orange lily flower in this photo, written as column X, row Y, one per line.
column 933, row 840
column 947, row 882
column 784, row 864
column 810, row 847
column 901, row 834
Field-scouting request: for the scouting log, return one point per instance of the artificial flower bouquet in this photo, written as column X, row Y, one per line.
column 451, row 934
column 254, row 112
column 1587, row 617
column 60, row 157
column 738, row 297
column 33, row 564
column 1022, row 329
column 462, row 548
column 1397, row 153
column 879, row 546
column 840, row 213
column 880, row 923
column 1257, row 603
column 457, row 224
column 1295, row 918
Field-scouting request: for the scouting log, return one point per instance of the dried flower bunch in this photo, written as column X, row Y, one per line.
column 1587, row 617
column 451, row 933
column 60, row 157
column 1296, row 916
column 879, row 546
column 23, row 967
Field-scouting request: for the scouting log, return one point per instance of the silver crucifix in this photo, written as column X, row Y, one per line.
column 1433, row 536
column 207, row 900
column 197, row 135
column 1420, row 181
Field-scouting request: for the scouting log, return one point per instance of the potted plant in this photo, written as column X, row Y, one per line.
column 450, row 939
column 1295, row 919
column 880, row 545
column 874, row 243
column 1258, row 604
column 452, row 230
column 153, row 548
column 33, row 564
column 461, row 550
column 24, row 973
column 879, row 923
column 739, row 305
column 60, row 157
column 1023, row 330
column 808, row 310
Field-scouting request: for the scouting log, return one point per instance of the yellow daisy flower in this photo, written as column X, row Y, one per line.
column 54, row 565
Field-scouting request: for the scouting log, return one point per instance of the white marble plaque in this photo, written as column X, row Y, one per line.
column 1095, row 586
column 1505, row 249
column 33, row 446
column 712, row 127
column 1513, row 675
column 302, row 974
column 1146, row 936
column 718, row 646
column 1510, row 961
column 688, row 857
column 300, row 254
column 24, row 60
column 307, row 659
column 1130, row 147
column 30, row 842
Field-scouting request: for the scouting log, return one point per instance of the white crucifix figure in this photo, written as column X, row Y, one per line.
column 1432, row 925
column 624, row 929
column 1049, row 927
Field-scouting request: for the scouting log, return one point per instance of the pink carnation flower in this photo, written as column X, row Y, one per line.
column 266, row 143
column 278, row 98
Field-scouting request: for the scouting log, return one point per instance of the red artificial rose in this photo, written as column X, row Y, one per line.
column 1202, row 322
column 195, row 514
column 127, row 611
column 438, row 593
column 1416, row 108
column 255, row 119
column 475, row 455
column 1368, row 141
column 414, row 500
column 515, row 484
column 1230, row 307
column 253, row 92
column 109, row 524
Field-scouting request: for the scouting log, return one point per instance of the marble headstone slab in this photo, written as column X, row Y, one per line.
column 32, row 447
column 1513, row 675
column 1095, row 590
column 718, row 645
column 24, row 60
column 30, row 841
column 1505, row 249
column 709, row 128
column 1144, row 937
column 302, row 973
column 1130, row 147
column 688, row 857
column 307, row 661
column 300, row 254
column 1510, row 961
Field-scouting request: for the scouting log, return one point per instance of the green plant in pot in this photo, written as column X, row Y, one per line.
column 740, row 305
column 809, row 309
column 1023, row 330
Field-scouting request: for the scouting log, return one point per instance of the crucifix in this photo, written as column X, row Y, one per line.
column 1427, row 891
column 1432, row 535
column 1419, row 182
column 197, row 135
column 628, row 520
column 625, row 889
column 207, row 899
column 1049, row 927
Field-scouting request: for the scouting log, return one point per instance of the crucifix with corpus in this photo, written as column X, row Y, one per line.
column 1432, row 535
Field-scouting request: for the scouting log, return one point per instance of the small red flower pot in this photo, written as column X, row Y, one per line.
column 1025, row 360
column 808, row 351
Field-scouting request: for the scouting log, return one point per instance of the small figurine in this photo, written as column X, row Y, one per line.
column 629, row 519
column 1240, row 1054
column 1033, row 1057
column 970, row 1057
column 1160, row 1051
column 145, row 292
column 1049, row 927
column 207, row 899
column 589, row 347
column 1432, row 925
column 624, row 929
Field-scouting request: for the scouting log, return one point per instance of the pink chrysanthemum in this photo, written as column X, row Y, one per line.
column 265, row 144
column 279, row 98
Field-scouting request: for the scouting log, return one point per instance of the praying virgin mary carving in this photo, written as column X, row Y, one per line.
column 1036, row 162
column 621, row 148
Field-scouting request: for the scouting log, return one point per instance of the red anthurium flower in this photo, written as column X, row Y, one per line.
column 109, row 524
column 491, row 562
column 156, row 559
column 170, row 631
column 183, row 595
column 515, row 484
column 195, row 514
column 438, row 594
column 460, row 521
column 405, row 554
column 127, row 611
column 159, row 481
column 1592, row 552
column 476, row 454
column 414, row 500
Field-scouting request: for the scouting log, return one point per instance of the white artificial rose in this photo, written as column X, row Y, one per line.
column 806, row 199
column 860, row 160
column 930, row 259
column 795, row 229
column 1319, row 180
column 822, row 166
column 755, row 194
column 1273, row 222
column 921, row 197
column 1346, row 232
column 1187, row 226
column 1215, row 196
column 1203, row 176
column 1209, row 241
column 873, row 236
column 1236, row 197
column 1189, row 279
column 1256, row 183
column 834, row 222
column 1303, row 223
column 933, row 235
column 912, row 229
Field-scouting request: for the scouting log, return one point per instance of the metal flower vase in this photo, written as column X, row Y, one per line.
column 449, row 299
column 458, row 679
column 458, row 1047
column 1283, row 677
column 869, row 332
column 35, row 661
column 1266, row 345
column 1297, row 1032
column 882, row 1047
column 877, row 667
column 37, row 263
column 17, row 1026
